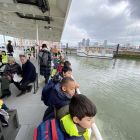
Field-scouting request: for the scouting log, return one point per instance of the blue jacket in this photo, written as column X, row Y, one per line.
column 28, row 72
column 53, row 96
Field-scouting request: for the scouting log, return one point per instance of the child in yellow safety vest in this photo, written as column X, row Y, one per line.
column 2, row 105
column 81, row 116
column 4, row 58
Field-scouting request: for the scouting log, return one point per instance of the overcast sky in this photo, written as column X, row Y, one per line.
column 118, row 21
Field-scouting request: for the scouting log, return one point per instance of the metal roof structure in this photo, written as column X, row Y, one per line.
column 22, row 18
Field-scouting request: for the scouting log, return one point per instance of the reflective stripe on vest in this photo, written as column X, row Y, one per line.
column 71, row 128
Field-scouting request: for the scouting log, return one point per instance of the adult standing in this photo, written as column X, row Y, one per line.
column 10, row 48
column 45, row 62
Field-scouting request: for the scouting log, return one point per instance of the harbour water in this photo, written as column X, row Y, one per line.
column 114, row 86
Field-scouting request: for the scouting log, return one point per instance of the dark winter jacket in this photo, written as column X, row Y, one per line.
column 55, row 97
column 9, row 48
column 28, row 72
column 12, row 69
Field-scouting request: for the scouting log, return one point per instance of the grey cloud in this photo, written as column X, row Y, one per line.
column 101, row 24
column 115, row 1
column 135, row 8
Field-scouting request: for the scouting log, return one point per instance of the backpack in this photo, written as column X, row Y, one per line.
column 48, row 130
column 43, row 56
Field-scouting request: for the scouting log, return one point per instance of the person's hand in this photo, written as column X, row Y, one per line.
column 77, row 85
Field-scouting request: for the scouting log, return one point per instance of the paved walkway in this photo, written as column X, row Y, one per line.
column 30, row 110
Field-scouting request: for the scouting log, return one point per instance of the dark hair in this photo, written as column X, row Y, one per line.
column 66, row 69
column 67, row 64
column 22, row 55
column 80, row 106
column 65, row 81
column 4, row 52
column 44, row 46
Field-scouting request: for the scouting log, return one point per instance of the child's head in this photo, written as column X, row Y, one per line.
column 66, row 72
column 68, row 86
column 82, row 111
column 3, row 52
column 67, row 64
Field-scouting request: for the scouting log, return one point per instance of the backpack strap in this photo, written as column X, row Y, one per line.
column 35, row 134
column 47, row 131
column 54, row 132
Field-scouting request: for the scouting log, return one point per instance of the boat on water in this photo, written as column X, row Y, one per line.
column 95, row 53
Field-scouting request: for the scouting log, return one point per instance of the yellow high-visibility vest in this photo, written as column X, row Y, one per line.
column 71, row 128
column 53, row 72
column 1, row 103
column 4, row 58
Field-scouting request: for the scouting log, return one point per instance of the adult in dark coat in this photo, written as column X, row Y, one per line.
column 28, row 75
column 45, row 62
column 10, row 47
column 11, row 68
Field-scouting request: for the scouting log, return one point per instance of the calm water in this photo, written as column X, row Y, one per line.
column 114, row 86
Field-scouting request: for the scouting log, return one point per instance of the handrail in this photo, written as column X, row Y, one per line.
column 94, row 128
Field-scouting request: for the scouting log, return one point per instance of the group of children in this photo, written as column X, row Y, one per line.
column 75, row 111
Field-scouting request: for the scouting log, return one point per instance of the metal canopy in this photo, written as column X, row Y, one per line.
column 18, row 18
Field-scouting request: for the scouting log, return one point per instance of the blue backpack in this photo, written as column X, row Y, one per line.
column 48, row 130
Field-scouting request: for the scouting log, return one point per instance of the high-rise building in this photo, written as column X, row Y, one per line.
column 87, row 42
column 105, row 43
column 83, row 42
column 79, row 44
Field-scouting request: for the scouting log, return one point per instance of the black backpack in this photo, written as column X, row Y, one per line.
column 43, row 56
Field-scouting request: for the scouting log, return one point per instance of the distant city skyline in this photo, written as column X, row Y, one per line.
column 117, row 21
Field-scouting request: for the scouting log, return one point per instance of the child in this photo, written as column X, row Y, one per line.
column 66, row 72
column 60, row 69
column 60, row 66
column 81, row 117
column 58, row 96
column 67, row 64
